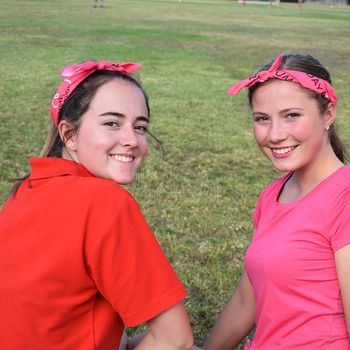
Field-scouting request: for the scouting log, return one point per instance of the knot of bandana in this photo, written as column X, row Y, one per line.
column 76, row 73
column 306, row 80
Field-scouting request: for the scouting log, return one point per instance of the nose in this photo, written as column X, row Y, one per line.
column 277, row 132
column 128, row 137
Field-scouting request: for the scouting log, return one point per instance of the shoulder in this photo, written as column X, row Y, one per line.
column 107, row 207
column 344, row 175
column 273, row 188
column 338, row 188
column 268, row 195
column 338, row 209
column 337, row 192
column 101, row 191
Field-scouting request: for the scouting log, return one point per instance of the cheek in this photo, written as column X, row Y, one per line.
column 98, row 141
column 143, row 146
column 259, row 134
column 305, row 131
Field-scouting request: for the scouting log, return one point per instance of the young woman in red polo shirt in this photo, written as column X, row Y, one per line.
column 78, row 261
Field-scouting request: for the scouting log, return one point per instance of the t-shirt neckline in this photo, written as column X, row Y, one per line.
column 307, row 195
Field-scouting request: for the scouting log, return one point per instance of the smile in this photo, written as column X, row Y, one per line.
column 282, row 151
column 124, row 159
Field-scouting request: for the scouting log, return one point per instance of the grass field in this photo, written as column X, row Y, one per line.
column 199, row 196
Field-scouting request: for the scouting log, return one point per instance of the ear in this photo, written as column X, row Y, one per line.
column 330, row 114
column 67, row 136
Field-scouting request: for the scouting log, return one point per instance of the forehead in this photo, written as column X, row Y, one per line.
column 274, row 92
column 120, row 95
column 275, row 96
column 276, row 85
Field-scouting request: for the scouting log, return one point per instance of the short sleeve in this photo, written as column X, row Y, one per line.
column 339, row 222
column 129, row 267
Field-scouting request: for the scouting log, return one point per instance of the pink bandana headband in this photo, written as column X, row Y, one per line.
column 306, row 80
column 76, row 73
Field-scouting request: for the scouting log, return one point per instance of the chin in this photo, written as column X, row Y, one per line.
column 124, row 181
column 282, row 168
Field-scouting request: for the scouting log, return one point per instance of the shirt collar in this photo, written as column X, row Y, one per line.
column 49, row 167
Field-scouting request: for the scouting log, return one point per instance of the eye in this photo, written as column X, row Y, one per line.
column 261, row 119
column 111, row 124
column 293, row 115
column 141, row 129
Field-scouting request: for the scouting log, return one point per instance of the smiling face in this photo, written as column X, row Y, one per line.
column 112, row 139
column 289, row 128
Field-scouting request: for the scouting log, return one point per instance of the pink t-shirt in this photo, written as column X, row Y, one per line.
column 290, row 264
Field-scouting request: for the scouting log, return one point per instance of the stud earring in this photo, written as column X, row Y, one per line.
column 72, row 145
column 327, row 127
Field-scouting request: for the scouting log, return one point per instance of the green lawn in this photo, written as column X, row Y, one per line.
column 199, row 196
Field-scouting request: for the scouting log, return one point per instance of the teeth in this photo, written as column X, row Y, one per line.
column 282, row 150
column 123, row 158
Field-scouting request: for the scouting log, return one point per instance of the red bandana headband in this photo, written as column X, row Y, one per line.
column 306, row 80
column 76, row 73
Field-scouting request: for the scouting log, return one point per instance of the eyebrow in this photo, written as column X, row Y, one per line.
column 286, row 110
column 291, row 109
column 121, row 115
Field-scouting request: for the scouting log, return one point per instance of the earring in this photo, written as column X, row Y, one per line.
column 72, row 145
column 327, row 127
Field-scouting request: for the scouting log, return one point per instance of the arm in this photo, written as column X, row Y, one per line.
column 123, row 342
column 342, row 263
column 169, row 330
column 138, row 337
column 236, row 319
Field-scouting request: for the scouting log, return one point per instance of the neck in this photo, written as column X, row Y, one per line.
column 308, row 177
column 66, row 155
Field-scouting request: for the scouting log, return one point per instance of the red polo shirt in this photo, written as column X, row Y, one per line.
column 78, row 262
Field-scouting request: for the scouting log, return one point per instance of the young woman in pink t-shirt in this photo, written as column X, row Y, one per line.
column 295, row 287
column 78, row 261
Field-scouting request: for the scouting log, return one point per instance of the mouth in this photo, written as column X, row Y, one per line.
column 282, row 151
column 123, row 159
